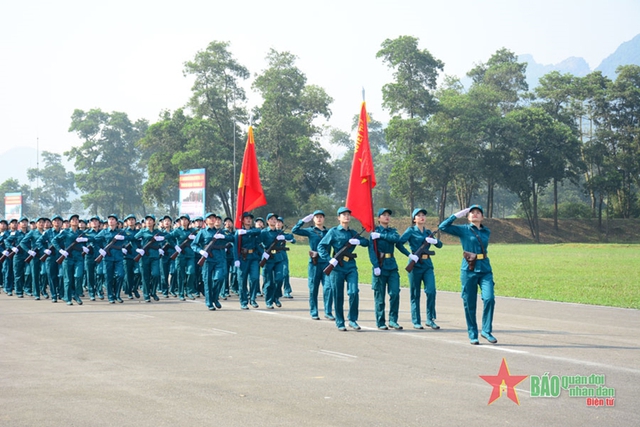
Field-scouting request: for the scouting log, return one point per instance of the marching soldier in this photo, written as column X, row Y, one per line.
column 151, row 240
column 185, row 266
column 51, row 267
column 475, row 271
column 273, row 243
column 3, row 230
column 19, row 256
column 210, row 243
column 286, row 282
column 315, row 274
column 247, row 260
column 417, row 236
column 385, row 269
column 111, row 240
column 342, row 241
column 231, row 279
column 166, row 264
column 7, row 265
column 29, row 245
column 131, row 279
column 90, row 266
column 69, row 244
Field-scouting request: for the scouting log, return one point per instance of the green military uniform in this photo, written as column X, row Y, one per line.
column 69, row 244
column 345, row 270
column 385, row 272
column 475, row 239
column 421, row 273
column 315, row 267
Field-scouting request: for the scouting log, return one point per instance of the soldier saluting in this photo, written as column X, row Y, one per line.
column 316, row 264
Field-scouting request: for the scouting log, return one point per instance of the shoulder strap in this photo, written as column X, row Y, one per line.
column 479, row 241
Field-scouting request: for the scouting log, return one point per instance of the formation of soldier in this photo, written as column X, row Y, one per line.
column 206, row 257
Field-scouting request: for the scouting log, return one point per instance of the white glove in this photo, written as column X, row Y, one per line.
column 47, row 251
column 161, row 252
column 125, row 251
column 280, row 237
column 265, row 256
column 177, row 248
column 354, row 241
column 5, row 253
column 413, row 257
column 140, row 251
column 15, row 250
column 218, row 236
column 375, row 235
column 192, row 236
column 241, row 231
column 376, row 271
column 333, row 262
column 64, row 253
column 158, row 238
column 32, row 253
column 102, row 252
column 119, row 237
column 236, row 264
column 81, row 239
column 462, row 213
column 85, row 249
column 431, row 240
column 204, row 253
column 307, row 218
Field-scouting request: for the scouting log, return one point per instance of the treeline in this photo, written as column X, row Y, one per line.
column 515, row 150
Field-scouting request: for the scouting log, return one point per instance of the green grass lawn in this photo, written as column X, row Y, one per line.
column 601, row 274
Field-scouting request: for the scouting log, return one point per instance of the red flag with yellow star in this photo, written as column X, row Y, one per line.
column 363, row 177
column 250, row 193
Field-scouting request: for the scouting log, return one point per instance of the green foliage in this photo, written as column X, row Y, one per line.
column 410, row 97
column 567, row 210
column 293, row 165
column 55, row 185
column 107, row 170
column 415, row 77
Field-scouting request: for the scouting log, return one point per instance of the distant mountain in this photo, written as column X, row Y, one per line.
column 576, row 66
column 626, row 54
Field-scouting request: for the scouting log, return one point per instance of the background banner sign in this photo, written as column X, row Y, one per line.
column 12, row 206
column 192, row 187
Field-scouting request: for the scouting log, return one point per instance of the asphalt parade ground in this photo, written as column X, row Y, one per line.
column 173, row 363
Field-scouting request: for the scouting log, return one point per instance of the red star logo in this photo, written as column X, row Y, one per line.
column 504, row 381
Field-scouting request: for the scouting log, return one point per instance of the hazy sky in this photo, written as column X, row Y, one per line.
column 56, row 56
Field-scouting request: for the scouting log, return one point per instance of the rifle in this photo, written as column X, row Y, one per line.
column 146, row 247
column 207, row 249
column 44, row 256
column 272, row 246
column 422, row 250
column 183, row 245
column 98, row 260
column 29, row 258
column 3, row 257
column 341, row 253
column 68, row 248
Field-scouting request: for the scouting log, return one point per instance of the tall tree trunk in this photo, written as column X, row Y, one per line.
column 490, row 191
column 536, row 225
column 555, row 204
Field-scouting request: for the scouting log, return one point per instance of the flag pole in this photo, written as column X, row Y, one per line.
column 375, row 242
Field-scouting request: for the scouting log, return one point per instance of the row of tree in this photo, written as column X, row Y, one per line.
column 445, row 145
